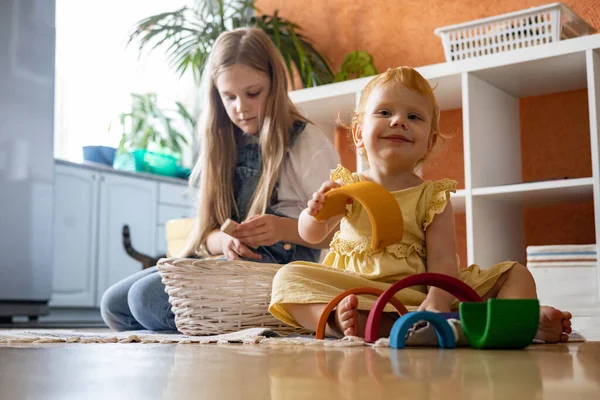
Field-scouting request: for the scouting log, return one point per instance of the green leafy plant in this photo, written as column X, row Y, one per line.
column 357, row 64
column 146, row 126
column 188, row 35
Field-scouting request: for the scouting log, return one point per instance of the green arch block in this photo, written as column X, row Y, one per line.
column 500, row 323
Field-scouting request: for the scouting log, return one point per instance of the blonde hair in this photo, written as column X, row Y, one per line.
column 411, row 79
column 214, row 171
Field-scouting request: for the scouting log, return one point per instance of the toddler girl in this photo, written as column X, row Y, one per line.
column 395, row 128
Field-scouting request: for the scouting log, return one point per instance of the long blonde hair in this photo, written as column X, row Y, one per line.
column 214, row 171
column 414, row 81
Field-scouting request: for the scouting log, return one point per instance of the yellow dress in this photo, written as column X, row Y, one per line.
column 352, row 263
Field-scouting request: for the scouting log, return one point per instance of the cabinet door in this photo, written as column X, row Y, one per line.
column 75, row 235
column 124, row 201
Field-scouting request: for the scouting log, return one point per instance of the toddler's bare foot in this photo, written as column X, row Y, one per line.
column 348, row 320
column 555, row 325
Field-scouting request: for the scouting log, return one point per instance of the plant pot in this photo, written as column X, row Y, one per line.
column 99, row 154
column 141, row 160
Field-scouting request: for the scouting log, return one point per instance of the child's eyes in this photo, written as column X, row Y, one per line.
column 251, row 95
column 384, row 113
column 414, row 116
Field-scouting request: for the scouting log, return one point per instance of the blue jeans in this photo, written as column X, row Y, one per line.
column 138, row 302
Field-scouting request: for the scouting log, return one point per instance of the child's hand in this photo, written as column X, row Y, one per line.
column 260, row 230
column 234, row 249
column 316, row 203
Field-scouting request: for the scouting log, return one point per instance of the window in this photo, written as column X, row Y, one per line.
column 96, row 73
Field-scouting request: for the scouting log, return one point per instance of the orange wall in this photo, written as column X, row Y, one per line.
column 448, row 160
column 554, row 128
column 397, row 32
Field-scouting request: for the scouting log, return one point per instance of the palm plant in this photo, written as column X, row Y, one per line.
column 147, row 126
column 188, row 35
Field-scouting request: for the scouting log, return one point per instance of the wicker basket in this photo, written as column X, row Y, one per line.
column 211, row 297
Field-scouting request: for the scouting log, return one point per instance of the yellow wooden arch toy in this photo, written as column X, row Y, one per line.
column 381, row 206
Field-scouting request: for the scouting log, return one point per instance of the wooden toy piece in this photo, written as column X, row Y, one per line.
column 320, row 333
column 229, row 226
column 381, row 206
column 442, row 329
column 500, row 323
column 459, row 289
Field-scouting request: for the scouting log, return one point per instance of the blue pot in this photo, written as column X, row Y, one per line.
column 99, row 154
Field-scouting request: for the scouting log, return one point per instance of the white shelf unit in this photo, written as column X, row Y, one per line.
column 487, row 89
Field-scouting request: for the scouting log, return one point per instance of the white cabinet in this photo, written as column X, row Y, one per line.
column 75, row 227
column 124, row 201
column 91, row 207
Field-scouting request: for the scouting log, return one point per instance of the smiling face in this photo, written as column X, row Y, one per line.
column 244, row 92
column 396, row 126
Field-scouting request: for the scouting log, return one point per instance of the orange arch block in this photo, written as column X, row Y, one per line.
column 381, row 206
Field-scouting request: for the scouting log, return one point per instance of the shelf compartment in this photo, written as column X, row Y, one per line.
column 556, row 224
column 540, row 193
column 510, row 140
column 539, row 76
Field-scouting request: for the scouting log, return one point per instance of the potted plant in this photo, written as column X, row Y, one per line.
column 356, row 64
column 189, row 33
column 151, row 142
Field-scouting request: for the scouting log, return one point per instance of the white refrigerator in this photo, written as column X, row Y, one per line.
column 27, row 54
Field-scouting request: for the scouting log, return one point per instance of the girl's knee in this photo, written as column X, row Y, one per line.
column 518, row 283
column 112, row 304
column 146, row 293
column 149, row 304
column 519, row 271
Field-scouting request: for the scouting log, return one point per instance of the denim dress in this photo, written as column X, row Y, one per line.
column 140, row 302
column 247, row 176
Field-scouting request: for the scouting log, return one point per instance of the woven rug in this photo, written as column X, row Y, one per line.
column 15, row 336
column 420, row 335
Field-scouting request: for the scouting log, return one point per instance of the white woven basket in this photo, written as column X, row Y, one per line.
column 525, row 28
column 211, row 297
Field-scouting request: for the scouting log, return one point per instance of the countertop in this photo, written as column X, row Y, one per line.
column 106, row 168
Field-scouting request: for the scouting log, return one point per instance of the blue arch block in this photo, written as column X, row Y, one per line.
column 442, row 329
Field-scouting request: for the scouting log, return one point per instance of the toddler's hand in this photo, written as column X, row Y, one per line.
column 316, row 203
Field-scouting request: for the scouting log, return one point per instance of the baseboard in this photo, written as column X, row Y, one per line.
column 61, row 318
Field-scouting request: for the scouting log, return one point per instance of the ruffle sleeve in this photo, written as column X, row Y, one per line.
column 439, row 199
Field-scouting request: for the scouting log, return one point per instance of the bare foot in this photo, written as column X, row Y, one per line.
column 348, row 319
column 555, row 325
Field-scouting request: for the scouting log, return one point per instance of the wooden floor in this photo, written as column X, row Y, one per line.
column 151, row 371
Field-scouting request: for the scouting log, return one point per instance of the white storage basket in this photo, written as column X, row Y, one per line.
column 512, row 31
column 566, row 276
